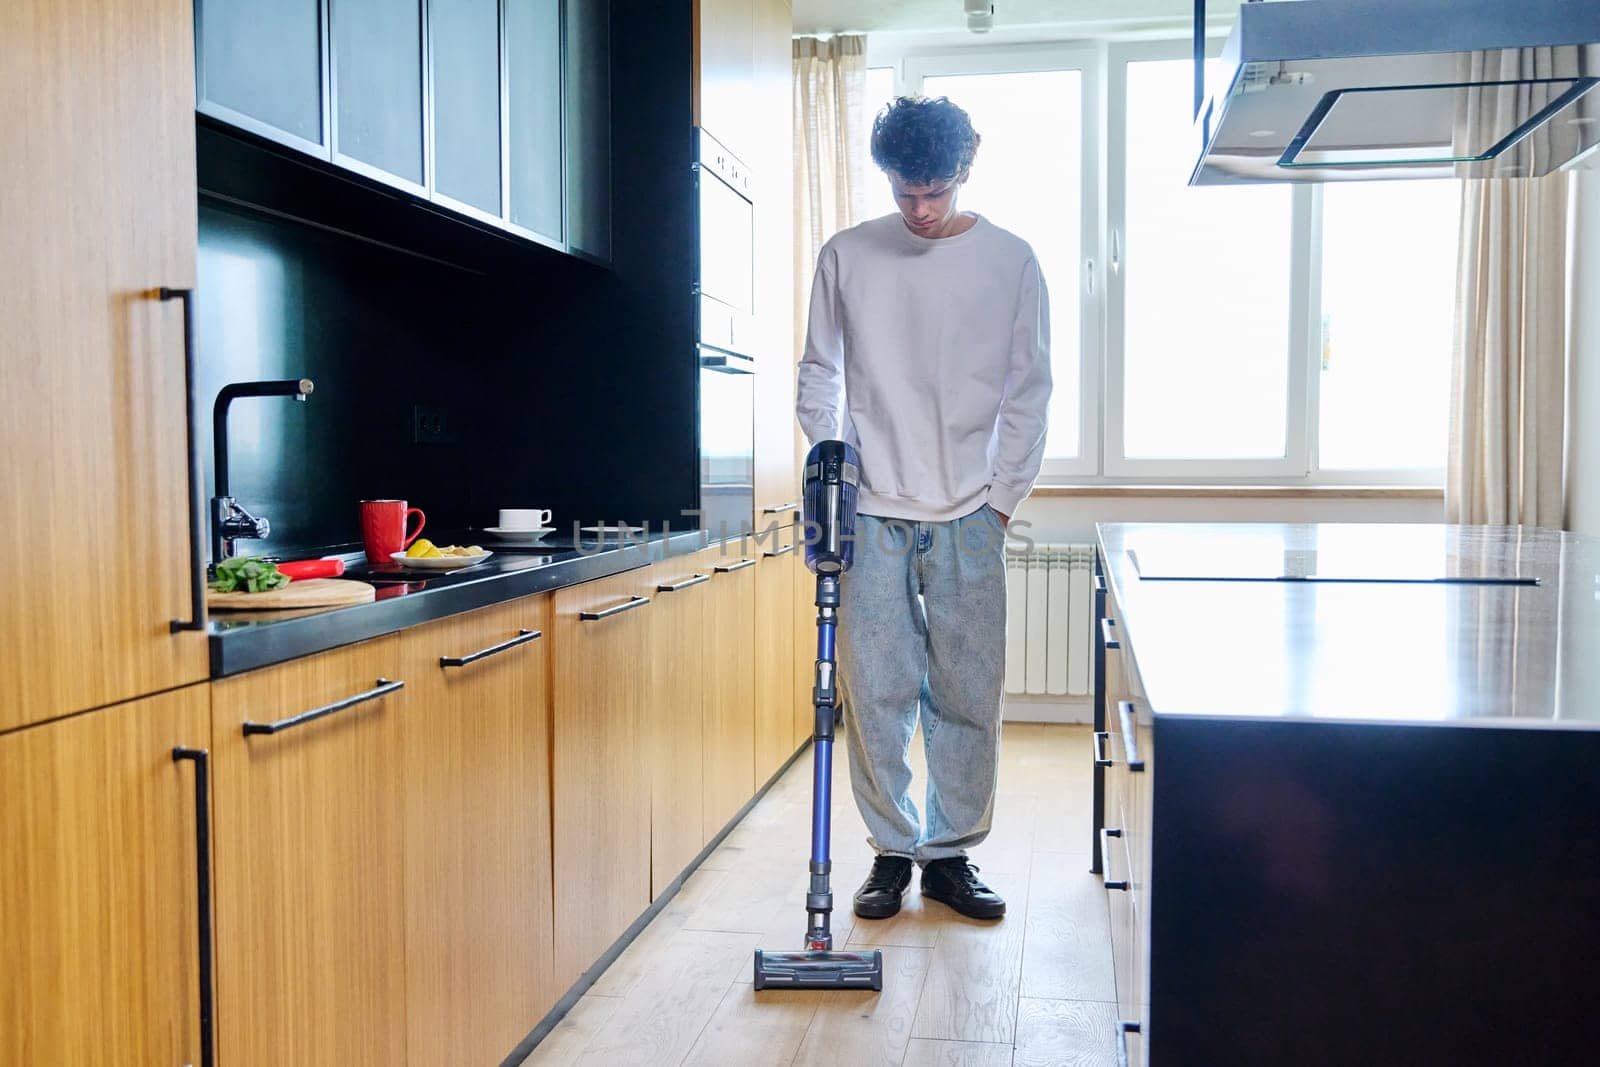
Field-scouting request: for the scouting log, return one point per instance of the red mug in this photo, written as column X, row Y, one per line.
column 383, row 528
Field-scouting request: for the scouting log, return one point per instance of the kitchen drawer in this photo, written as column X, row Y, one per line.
column 774, row 653
column 601, row 772
column 476, row 741
column 729, row 673
column 1123, row 913
column 675, row 727
column 1130, row 782
column 310, row 911
column 1122, row 669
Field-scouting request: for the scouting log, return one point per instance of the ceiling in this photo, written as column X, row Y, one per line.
column 924, row 16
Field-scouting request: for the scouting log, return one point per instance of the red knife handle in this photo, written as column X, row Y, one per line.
column 304, row 569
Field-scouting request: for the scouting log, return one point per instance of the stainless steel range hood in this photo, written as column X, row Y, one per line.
column 1351, row 90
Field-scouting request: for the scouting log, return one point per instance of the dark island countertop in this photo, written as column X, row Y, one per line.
column 1402, row 624
column 242, row 641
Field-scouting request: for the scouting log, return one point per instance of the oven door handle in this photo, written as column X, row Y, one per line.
column 729, row 364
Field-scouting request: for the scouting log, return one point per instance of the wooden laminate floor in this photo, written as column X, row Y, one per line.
column 1034, row 988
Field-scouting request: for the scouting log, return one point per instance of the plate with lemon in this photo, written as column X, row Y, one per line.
column 424, row 555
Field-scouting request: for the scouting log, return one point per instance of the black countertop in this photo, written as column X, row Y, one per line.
column 242, row 641
column 1402, row 624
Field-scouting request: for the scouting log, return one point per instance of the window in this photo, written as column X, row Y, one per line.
column 1205, row 298
column 1268, row 333
column 1271, row 332
column 1033, row 186
column 880, row 92
column 1388, row 307
column 1035, row 175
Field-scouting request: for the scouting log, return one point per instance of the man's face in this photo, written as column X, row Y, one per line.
column 929, row 210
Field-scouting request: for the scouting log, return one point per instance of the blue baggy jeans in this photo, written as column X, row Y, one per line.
column 922, row 634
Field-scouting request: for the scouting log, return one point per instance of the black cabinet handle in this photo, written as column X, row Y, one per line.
column 729, row 568
column 1106, row 626
column 202, row 851
column 779, row 509
column 197, row 530
column 1130, row 745
column 382, row 689
column 692, row 580
column 784, row 551
column 522, row 638
column 1124, row 1028
column 615, row 609
column 1100, row 757
column 1106, row 833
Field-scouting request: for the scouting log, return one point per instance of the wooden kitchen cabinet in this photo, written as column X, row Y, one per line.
column 805, row 644
column 725, row 72
column 674, row 724
column 601, row 781
column 774, row 680
column 730, row 722
column 310, row 916
column 99, row 180
column 99, row 895
column 777, row 489
column 479, row 930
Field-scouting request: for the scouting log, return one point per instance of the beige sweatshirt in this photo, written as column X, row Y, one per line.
column 932, row 357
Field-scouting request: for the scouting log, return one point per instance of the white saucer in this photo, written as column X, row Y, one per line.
column 438, row 563
column 532, row 533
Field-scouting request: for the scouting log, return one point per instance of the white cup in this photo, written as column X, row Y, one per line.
column 524, row 518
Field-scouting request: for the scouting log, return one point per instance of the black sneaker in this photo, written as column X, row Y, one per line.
column 955, row 882
column 879, row 896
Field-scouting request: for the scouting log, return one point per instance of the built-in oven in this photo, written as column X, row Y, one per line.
column 725, row 299
column 727, row 443
column 725, row 286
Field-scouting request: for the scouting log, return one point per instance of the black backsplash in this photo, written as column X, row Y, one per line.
column 565, row 385
column 371, row 328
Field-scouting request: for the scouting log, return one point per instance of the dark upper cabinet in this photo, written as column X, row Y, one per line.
column 259, row 67
column 376, row 73
column 588, row 124
column 533, row 82
column 464, row 57
column 499, row 110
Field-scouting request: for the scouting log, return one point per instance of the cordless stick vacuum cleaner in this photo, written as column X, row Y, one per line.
column 832, row 473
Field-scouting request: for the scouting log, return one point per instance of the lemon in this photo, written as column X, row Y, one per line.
column 422, row 547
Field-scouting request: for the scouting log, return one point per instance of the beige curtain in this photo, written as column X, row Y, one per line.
column 830, row 82
column 1507, row 414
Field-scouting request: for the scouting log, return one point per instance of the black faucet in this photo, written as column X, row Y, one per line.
column 229, row 521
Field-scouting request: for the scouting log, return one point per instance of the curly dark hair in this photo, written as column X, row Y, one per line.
column 924, row 141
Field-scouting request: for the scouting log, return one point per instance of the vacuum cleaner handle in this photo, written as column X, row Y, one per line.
column 832, row 476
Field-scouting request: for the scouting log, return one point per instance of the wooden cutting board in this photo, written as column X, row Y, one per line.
column 312, row 593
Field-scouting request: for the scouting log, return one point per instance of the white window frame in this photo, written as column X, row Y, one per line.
column 1295, row 463
column 1101, row 458
column 1089, row 59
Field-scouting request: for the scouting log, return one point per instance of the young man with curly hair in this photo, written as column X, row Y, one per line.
column 927, row 349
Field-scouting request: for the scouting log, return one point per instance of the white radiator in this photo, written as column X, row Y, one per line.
column 1049, row 619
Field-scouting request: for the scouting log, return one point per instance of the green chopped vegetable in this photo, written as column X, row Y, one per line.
column 248, row 574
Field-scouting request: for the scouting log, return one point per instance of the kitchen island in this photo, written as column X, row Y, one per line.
column 1375, row 834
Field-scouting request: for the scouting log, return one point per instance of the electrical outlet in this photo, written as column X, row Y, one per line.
column 430, row 426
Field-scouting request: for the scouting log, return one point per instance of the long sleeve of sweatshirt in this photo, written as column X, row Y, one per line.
column 932, row 357
column 820, row 387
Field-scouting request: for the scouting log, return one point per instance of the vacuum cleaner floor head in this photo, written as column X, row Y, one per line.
column 819, row 970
